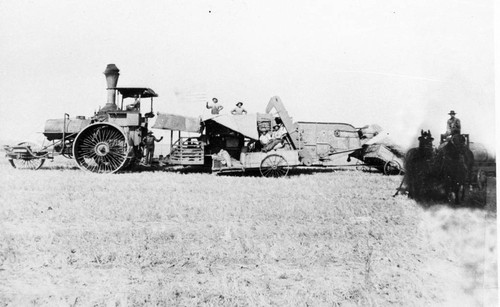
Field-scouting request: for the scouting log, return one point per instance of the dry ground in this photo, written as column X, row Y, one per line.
column 70, row 238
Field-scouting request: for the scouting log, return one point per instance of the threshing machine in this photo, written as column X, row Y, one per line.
column 229, row 143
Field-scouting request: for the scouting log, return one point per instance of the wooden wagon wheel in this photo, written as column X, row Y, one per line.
column 101, row 148
column 392, row 167
column 274, row 166
column 32, row 162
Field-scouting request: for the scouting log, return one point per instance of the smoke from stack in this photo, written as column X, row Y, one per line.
column 112, row 73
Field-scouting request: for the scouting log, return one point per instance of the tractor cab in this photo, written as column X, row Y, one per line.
column 128, row 103
column 135, row 98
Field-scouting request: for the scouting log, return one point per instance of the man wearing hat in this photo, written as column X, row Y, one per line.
column 239, row 109
column 215, row 107
column 277, row 138
column 149, row 142
column 453, row 125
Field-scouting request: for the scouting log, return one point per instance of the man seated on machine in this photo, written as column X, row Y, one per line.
column 136, row 105
column 264, row 139
column 276, row 140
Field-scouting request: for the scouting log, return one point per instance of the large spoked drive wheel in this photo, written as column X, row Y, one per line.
column 392, row 168
column 32, row 160
column 274, row 166
column 101, row 148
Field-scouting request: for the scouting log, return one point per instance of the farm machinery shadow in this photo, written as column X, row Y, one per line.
column 203, row 169
column 293, row 172
column 476, row 200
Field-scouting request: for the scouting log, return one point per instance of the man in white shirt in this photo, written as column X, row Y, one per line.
column 264, row 138
column 276, row 138
column 215, row 107
column 239, row 109
column 278, row 132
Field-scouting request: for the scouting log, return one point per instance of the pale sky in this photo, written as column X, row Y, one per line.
column 403, row 64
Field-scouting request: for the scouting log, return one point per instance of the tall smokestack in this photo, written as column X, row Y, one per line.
column 112, row 73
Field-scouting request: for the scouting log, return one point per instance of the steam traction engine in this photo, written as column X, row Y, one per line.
column 107, row 142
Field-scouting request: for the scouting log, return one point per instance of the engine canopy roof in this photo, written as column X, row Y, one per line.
column 128, row 92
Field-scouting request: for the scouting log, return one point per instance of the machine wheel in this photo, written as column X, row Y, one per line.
column 392, row 168
column 33, row 161
column 274, row 166
column 101, row 148
column 32, row 164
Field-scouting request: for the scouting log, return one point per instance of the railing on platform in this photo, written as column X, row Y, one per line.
column 187, row 151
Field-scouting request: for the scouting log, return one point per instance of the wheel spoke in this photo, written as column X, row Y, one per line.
column 281, row 171
column 266, row 172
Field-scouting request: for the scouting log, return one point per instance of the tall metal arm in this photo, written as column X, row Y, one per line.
column 293, row 133
column 277, row 104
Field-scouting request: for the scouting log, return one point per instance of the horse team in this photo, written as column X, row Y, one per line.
column 439, row 174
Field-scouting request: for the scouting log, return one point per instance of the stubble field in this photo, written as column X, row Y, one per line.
column 338, row 238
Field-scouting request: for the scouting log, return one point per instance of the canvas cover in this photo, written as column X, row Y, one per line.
column 177, row 123
column 245, row 124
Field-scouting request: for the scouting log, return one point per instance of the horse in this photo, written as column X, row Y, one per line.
column 438, row 174
column 454, row 162
column 421, row 181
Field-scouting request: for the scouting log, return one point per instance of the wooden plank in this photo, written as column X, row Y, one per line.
column 186, row 158
column 187, row 153
column 188, row 162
